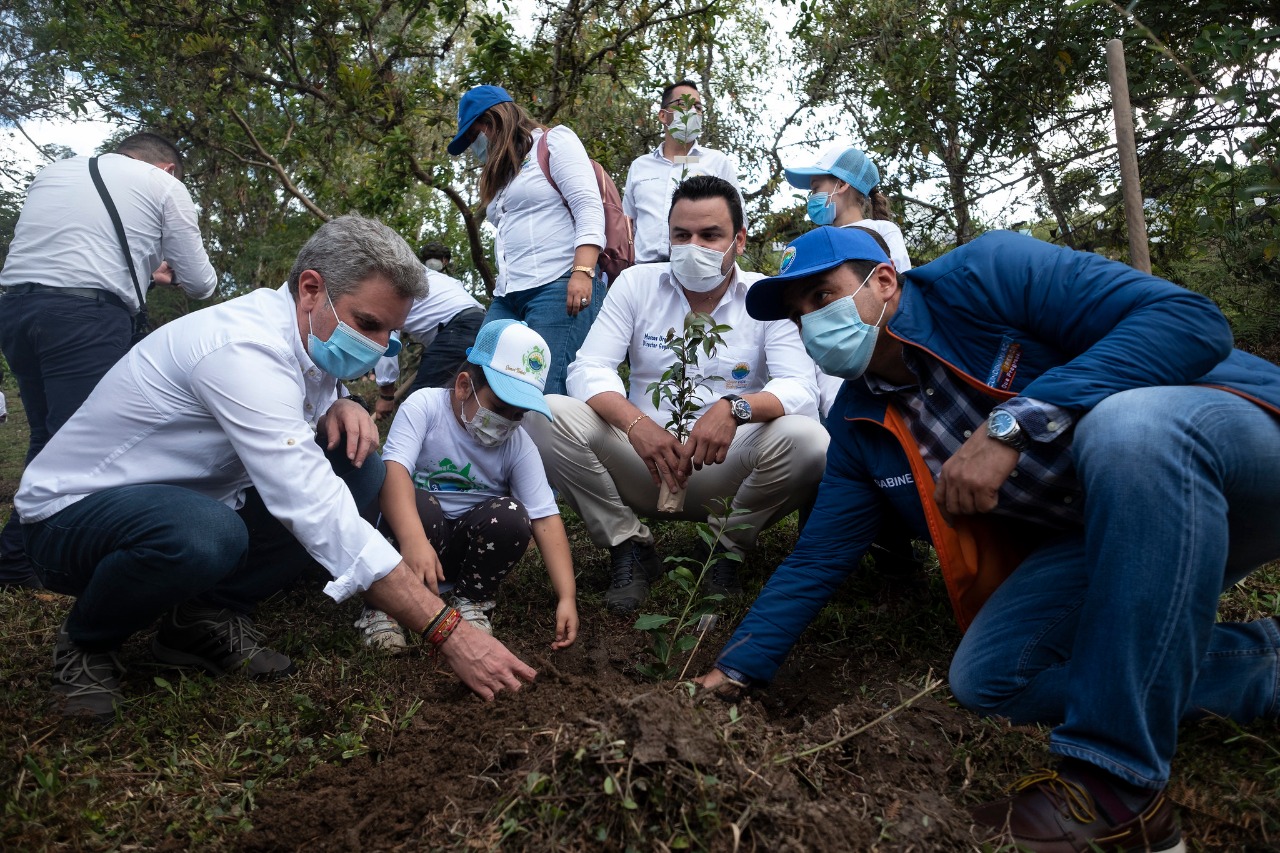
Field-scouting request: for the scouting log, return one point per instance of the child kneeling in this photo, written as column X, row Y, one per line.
column 465, row 487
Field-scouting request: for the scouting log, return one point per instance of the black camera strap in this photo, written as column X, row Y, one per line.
column 115, row 220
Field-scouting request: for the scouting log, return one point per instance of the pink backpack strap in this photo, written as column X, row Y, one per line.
column 544, row 163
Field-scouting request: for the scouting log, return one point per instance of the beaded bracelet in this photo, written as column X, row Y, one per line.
column 633, row 423
column 445, row 628
column 435, row 622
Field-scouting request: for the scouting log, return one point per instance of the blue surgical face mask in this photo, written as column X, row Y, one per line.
column 347, row 354
column 822, row 208
column 480, row 148
column 837, row 338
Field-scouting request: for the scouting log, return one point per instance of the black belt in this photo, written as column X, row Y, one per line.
column 82, row 292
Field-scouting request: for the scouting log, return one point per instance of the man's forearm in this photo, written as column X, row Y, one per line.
column 403, row 597
column 615, row 409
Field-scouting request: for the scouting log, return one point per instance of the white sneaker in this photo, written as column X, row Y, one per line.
column 380, row 631
column 476, row 612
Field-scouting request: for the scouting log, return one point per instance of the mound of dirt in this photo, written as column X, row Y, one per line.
column 591, row 756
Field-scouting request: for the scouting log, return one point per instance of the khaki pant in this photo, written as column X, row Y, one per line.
column 771, row 469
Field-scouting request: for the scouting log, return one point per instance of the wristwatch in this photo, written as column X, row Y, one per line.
column 739, row 408
column 1004, row 428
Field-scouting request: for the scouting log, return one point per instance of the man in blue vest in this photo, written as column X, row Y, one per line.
column 1093, row 462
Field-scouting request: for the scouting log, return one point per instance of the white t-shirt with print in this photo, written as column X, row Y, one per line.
column 427, row 440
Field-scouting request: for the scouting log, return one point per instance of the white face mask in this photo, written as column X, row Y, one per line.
column 697, row 268
column 486, row 428
column 686, row 125
column 434, row 264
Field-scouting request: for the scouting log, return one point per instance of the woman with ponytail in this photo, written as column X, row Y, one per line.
column 844, row 190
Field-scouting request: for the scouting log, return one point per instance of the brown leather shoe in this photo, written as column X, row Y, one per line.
column 1050, row 813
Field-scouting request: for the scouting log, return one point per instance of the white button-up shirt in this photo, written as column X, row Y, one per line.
column 446, row 298
column 218, row 401
column 647, row 196
column 64, row 236
column 645, row 302
column 536, row 232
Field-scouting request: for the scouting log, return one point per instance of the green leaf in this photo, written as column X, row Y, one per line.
column 650, row 621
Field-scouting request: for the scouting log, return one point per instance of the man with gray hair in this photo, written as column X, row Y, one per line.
column 218, row 460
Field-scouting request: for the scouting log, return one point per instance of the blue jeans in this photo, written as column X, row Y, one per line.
column 442, row 360
column 543, row 309
column 1110, row 634
column 58, row 347
column 131, row 553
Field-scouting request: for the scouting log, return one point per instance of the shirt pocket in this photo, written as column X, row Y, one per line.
column 738, row 368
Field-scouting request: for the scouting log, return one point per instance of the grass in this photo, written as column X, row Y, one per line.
column 191, row 758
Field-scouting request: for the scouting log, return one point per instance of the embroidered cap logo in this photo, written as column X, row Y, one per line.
column 788, row 258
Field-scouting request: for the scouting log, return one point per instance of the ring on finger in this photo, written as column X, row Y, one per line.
column 583, row 301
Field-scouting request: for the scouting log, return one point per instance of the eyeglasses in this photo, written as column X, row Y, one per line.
column 680, row 103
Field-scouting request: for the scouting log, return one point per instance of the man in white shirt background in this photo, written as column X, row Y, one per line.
column 68, row 297
column 231, row 422
column 756, row 440
column 653, row 177
column 445, row 322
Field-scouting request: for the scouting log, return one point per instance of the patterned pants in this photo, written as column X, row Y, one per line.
column 479, row 547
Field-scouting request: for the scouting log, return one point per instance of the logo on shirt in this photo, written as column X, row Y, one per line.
column 894, row 482
column 741, row 371
column 788, row 258
column 1006, row 365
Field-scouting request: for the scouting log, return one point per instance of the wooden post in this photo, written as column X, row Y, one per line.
column 1130, row 184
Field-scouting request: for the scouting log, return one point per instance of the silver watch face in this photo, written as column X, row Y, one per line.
column 741, row 410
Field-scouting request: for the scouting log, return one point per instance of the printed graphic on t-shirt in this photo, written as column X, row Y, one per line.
column 448, row 477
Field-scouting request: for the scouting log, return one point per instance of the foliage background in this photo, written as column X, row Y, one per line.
column 976, row 112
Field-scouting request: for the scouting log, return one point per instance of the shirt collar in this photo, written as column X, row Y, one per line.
column 295, row 331
column 737, row 289
column 695, row 151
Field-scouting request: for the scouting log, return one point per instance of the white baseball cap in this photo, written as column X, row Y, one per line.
column 516, row 360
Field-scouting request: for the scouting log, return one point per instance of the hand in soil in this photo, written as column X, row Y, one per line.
column 483, row 663
column 718, row 683
column 566, row 624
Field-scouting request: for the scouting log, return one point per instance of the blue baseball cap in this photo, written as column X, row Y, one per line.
column 809, row 254
column 516, row 361
column 471, row 107
column 850, row 165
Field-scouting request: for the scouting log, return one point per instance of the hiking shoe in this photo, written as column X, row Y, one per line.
column 475, row 612
column 217, row 641
column 722, row 577
column 1065, row 812
column 380, row 631
column 633, row 565
column 85, row 684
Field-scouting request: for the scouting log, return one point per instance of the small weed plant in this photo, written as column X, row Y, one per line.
column 673, row 636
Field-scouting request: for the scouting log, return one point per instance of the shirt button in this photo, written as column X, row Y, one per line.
column 291, row 442
column 1067, row 499
column 309, row 407
column 968, row 433
column 1013, row 473
column 928, row 392
column 1051, row 426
